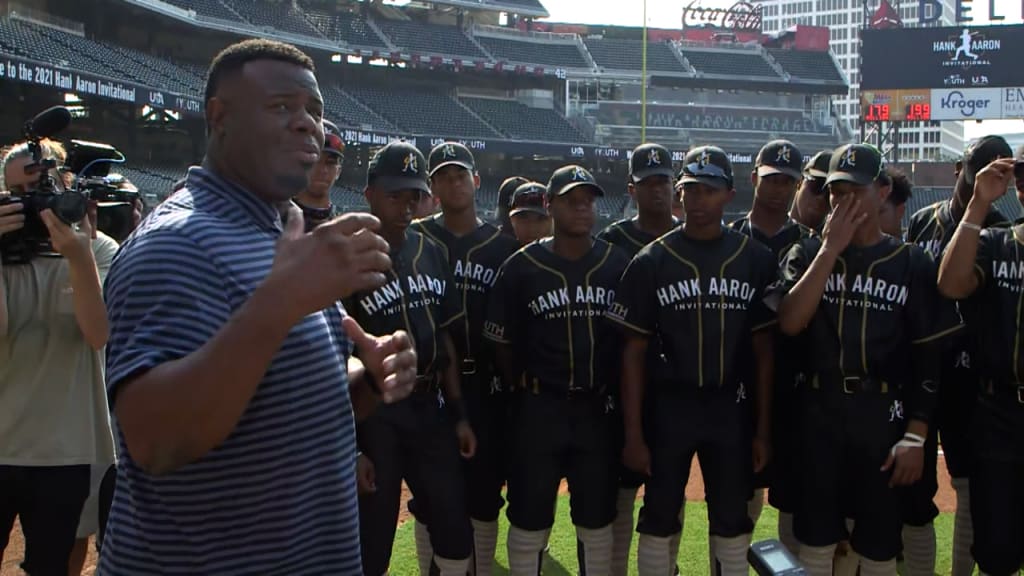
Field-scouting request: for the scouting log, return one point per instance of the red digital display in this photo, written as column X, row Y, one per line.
column 876, row 113
column 922, row 112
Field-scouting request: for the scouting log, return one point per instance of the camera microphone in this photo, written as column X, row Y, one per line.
column 47, row 123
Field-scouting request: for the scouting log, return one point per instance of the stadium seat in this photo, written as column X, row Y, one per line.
column 729, row 63
column 405, row 106
column 424, row 38
column 808, row 65
column 546, row 53
column 522, row 122
column 344, row 110
column 343, row 26
column 277, row 14
column 625, row 54
column 211, row 8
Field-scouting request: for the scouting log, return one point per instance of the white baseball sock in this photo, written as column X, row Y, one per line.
column 653, row 556
column 452, row 567
column 424, row 550
column 732, row 554
column 963, row 530
column 485, row 541
column 622, row 531
column 817, row 560
column 919, row 550
column 876, row 568
column 525, row 549
column 594, row 550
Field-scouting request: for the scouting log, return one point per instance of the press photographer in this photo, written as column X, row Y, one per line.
column 53, row 325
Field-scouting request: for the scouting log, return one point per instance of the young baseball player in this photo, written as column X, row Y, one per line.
column 547, row 315
column 932, row 229
column 776, row 175
column 810, row 207
column 697, row 290
column 475, row 250
column 874, row 324
column 508, row 186
column 417, row 439
column 986, row 265
column 529, row 213
column 650, row 185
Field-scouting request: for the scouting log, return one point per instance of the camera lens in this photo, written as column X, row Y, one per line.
column 70, row 207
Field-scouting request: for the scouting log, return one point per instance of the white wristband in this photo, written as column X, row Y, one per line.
column 969, row 225
column 909, row 440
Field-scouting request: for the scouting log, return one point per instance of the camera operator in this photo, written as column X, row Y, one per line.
column 53, row 411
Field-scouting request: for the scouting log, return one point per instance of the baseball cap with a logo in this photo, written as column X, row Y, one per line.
column 857, row 163
column 451, row 153
column 650, row 160
column 398, row 166
column 566, row 178
column 817, row 166
column 982, row 153
column 333, row 142
column 707, row 165
column 779, row 157
column 529, row 197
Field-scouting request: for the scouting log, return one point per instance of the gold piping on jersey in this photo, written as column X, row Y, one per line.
column 568, row 311
column 700, row 310
column 627, row 235
column 842, row 309
column 465, row 293
column 590, row 319
column 864, row 303
column 721, row 312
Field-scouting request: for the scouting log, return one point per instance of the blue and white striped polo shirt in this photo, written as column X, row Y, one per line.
column 279, row 495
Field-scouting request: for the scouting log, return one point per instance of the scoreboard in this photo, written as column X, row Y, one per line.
column 896, row 105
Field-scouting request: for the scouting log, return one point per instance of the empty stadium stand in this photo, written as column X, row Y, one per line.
column 526, row 52
column 344, row 26
column 710, row 118
column 210, row 8
column 625, row 54
column 522, row 122
column 807, row 65
column 279, row 14
column 729, row 63
column 344, row 110
column 406, row 106
column 421, row 37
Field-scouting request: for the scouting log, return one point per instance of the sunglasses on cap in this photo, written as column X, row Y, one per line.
column 817, row 184
column 697, row 169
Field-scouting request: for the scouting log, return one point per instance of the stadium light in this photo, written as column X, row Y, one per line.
column 336, row 58
column 71, row 98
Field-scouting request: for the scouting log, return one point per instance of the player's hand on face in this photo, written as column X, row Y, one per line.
column 762, row 453
column 334, row 261
column 390, row 360
column 72, row 241
column 366, row 475
column 637, row 457
column 842, row 223
column 467, row 439
column 11, row 216
column 992, row 181
column 906, row 464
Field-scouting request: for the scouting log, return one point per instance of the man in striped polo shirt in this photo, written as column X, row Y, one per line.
column 227, row 356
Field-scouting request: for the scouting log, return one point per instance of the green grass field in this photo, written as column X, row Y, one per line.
column 693, row 554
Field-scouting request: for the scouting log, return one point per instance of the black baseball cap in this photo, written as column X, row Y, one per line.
column 334, row 144
column 572, row 176
column 650, row 160
column 857, row 163
column 817, row 166
column 398, row 166
column 983, row 152
column 507, row 188
column 779, row 157
column 529, row 197
column 707, row 165
column 449, row 153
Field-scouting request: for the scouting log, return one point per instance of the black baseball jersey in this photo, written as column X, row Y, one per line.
column 1000, row 270
column 627, row 235
column 878, row 318
column 551, row 311
column 475, row 260
column 932, row 227
column 703, row 299
column 790, row 233
column 419, row 297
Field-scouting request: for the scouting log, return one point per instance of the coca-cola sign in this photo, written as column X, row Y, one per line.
column 740, row 16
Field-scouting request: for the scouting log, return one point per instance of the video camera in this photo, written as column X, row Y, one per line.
column 88, row 161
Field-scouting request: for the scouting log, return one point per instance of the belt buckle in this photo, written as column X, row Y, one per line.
column 847, row 381
column 1020, row 394
column 468, row 366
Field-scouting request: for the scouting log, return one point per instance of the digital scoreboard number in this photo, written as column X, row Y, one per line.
column 896, row 106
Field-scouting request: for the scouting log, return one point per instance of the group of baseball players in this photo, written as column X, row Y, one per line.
column 807, row 348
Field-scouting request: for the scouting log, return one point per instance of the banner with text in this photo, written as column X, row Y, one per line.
column 17, row 69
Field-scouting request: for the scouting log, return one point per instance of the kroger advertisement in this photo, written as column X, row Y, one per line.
column 977, row 103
